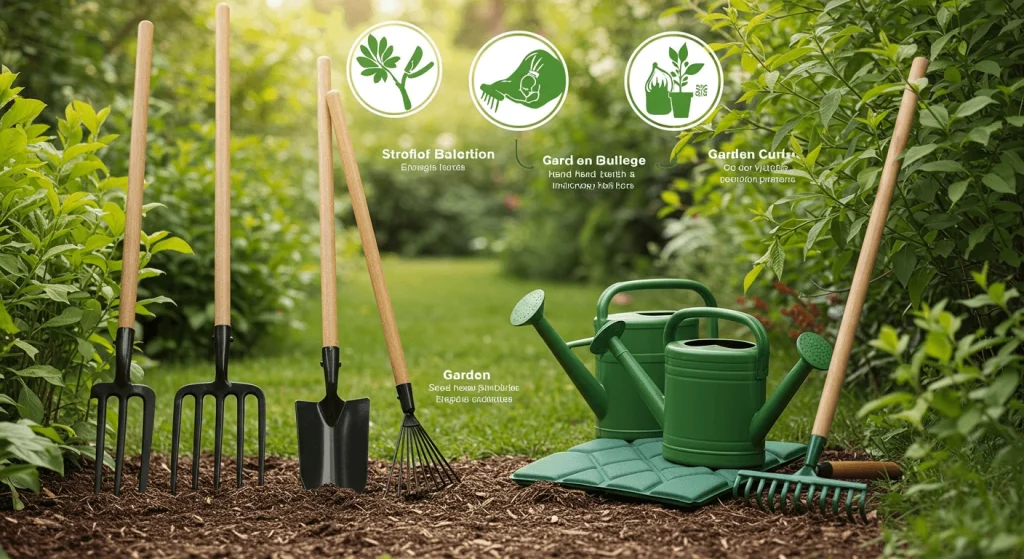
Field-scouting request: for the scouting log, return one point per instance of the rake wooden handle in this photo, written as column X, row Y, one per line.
column 222, row 166
column 365, row 226
column 868, row 253
column 328, row 264
column 855, row 469
column 136, row 177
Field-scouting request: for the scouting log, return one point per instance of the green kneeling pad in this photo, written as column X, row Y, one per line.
column 637, row 469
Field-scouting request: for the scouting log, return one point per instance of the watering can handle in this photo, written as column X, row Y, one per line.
column 647, row 284
column 760, row 336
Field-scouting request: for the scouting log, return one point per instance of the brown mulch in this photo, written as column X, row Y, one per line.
column 487, row 515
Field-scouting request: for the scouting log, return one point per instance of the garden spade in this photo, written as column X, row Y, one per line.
column 334, row 434
column 824, row 493
column 221, row 388
column 122, row 388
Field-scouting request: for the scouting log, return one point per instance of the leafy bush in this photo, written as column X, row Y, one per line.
column 960, row 395
column 825, row 84
column 60, row 225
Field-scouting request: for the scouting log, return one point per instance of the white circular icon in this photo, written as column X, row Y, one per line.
column 518, row 80
column 673, row 81
column 394, row 69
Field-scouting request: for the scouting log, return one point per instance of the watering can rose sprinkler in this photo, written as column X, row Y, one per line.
column 611, row 394
column 713, row 407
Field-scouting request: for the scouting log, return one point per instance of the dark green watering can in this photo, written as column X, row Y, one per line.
column 611, row 393
column 713, row 407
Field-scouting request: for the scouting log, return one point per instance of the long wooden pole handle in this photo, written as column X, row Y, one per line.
column 868, row 253
column 328, row 264
column 222, row 165
column 855, row 469
column 136, row 177
column 362, row 213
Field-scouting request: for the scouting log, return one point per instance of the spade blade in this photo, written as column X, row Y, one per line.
column 334, row 452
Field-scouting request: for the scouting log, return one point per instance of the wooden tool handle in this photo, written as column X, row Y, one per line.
column 868, row 253
column 136, row 177
column 362, row 213
column 222, row 180
column 328, row 264
column 860, row 470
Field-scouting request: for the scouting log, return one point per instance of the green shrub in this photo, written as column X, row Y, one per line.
column 959, row 411
column 60, row 226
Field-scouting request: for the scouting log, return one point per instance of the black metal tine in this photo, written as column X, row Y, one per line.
column 197, row 439
column 175, row 441
column 261, row 404
column 122, row 429
column 101, row 436
column 148, row 405
column 218, row 438
column 437, row 473
column 239, row 436
column 430, row 474
column 439, row 459
column 394, row 460
column 414, row 486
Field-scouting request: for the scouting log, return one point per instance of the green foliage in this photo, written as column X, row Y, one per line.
column 60, row 226
column 960, row 395
column 379, row 59
column 824, row 84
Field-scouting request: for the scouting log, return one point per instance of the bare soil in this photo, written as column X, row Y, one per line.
column 487, row 515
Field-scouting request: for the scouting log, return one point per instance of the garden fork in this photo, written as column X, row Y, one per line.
column 122, row 388
column 221, row 387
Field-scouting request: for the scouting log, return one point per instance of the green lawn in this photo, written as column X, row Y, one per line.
column 452, row 314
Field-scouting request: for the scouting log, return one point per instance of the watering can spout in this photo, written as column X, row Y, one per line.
column 607, row 340
column 815, row 353
column 530, row 310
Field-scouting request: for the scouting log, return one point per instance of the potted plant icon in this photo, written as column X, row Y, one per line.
column 681, row 72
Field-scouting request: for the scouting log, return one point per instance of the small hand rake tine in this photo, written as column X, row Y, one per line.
column 122, row 387
column 221, row 388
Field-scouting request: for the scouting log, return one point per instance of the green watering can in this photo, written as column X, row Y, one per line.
column 713, row 406
column 611, row 393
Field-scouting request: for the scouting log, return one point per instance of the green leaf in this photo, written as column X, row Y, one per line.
column 988, row 67
column 904, row 263
column 829, row 104
column 176, row 244
column 748, row 280
column 45, row 372
column 935, row 116
column 414, row 60
column 770, row 79
column 998, row 184
column 29, row 406
column 366, row 62
column 813, row 233
column 70, row 315
column 57, row 292
column 943, row 166
column 422, row 70
column 693, row 69
column 919, row 281
column 372, row 42
column 6, row 322
column 23, row 111
column 896, row 398
column 957, row 189
column 777, row 259
column 113, row 216
column 789, row 56
column 57, row 250
column 28, row 348
column 917, row 152
column 31, row 448
column 968, row 108
column 783, row 132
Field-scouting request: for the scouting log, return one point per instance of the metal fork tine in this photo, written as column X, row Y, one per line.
column 122, row 428
column 261, row 404
column 197, row 439
column 101, row 435
column 175, row 441
column 240, row 437
column 218, row 439
column 148, row 405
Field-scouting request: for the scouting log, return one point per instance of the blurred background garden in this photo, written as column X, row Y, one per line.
column 935, row 380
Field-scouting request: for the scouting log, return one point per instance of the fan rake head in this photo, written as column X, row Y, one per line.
column 220, row 389
column 418, row 466
column 786, row 493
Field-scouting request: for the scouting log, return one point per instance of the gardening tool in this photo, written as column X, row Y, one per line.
column 611, row 395
column 855, row 469
column 713, row 408
column 221, row 387
column 334, row 434
column 806, row 477
column 418, row 465
column 122, row 388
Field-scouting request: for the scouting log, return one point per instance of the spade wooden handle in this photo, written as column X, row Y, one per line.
column 222, row 168
column 362, row 213
column 328, row 265
column 855, row 469
column 136, row 177
column 868, row 253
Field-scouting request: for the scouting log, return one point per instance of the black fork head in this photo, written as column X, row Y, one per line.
column 123, row 389
column 221, row 388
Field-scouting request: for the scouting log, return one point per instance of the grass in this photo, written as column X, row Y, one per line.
column 452, row 315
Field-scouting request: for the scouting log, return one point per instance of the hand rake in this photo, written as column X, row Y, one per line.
column 221, row 387
column 418, row 466
column 823, row 492
column 334, row 434
column 122, row 388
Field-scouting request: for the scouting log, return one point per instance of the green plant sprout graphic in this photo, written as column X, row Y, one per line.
column 378, row 60
column 538, row 79
column 661, row 98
